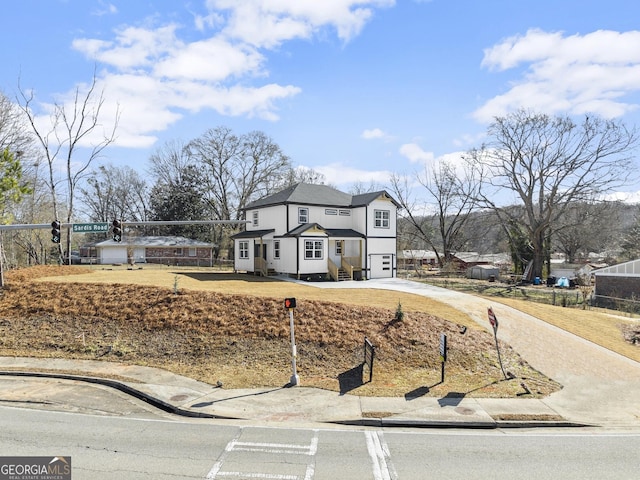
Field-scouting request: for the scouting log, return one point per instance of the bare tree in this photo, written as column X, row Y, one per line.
column 236, row 170
column 585, row 227
column 547, row 163
column 169, row 162
column 297, row 175
column 115, row 192
column 14, row 133
column 439, row 219
column 73, row 127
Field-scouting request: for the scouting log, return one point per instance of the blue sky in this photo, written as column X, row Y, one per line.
column 355, row 89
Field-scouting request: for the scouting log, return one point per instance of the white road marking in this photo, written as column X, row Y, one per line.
column 252, row 447
column 379, row 452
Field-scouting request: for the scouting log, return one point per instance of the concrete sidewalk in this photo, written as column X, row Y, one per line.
column 184, row 396
column 600, row 387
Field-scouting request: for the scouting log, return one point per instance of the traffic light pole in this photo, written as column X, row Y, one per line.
column 295, row 380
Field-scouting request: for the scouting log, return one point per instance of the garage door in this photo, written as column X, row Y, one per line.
column 381, row 266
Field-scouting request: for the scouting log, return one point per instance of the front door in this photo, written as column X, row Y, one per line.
column 257, row 250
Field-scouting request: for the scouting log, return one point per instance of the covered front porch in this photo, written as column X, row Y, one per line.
column 345, row 259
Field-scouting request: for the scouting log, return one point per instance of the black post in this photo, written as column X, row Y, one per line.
column 443, row 354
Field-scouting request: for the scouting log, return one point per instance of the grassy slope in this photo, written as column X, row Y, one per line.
column 235, row 329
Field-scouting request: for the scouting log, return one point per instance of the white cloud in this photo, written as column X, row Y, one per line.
column 374, row 133
column 339, row 174
column 626, row 197
column 134, row 48
column 415, row 153
column 156, row 75
column 105, row 9
column 210, row 60
column 268, row 23
column 575, row 74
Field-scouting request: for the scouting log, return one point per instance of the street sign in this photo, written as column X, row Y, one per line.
column 90, row 227
column 493, row 319
column 443, row 347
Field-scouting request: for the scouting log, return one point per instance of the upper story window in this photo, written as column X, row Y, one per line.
column 303, row 215
column 345, row 213
column 244, row 249
column 381, row 218
column 330, row 211
column 255, row 218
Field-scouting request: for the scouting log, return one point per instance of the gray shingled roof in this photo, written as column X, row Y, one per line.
column 155, row 241
column 331, row 232
column 253, row 233
column 311, row 194
column 307, row 194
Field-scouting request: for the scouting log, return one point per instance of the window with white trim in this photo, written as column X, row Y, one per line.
column 255, row 218
column 381, row 218
column 276, row 249
column 244, row 249
column 313, row 249
column 192, row 252
column 303, row 215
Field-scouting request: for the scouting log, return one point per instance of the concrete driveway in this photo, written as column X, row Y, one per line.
column 597, row 383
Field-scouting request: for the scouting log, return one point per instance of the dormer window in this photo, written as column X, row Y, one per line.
column 255, row 218
column 303, row 215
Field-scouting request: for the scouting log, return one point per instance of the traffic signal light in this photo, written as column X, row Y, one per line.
column 55, row 231
column 289, row 303
column 117, row 230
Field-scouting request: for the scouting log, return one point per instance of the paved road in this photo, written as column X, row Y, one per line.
column 107, row 447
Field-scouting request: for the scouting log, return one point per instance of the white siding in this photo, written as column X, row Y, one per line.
column 313, row 265
column 381, row 205
column 287, row 263
column 268, row 218
column 359, row 222
column 115, row 254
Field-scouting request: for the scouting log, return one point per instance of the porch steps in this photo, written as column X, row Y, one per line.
column 343, row 275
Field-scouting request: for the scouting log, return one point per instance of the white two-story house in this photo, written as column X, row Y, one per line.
column 315, row 232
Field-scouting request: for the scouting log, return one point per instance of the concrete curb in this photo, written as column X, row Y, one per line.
column 388, row 422
column 160, row 404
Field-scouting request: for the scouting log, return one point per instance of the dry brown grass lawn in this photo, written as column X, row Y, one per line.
column 600, row 327
column 234, row 328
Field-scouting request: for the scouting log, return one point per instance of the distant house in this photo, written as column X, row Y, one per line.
column 417, row 258
column 315, row 232
column 168, row 250
column 466, row 260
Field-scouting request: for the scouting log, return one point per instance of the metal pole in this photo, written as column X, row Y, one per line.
column 295, row 380
column 495, row 335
